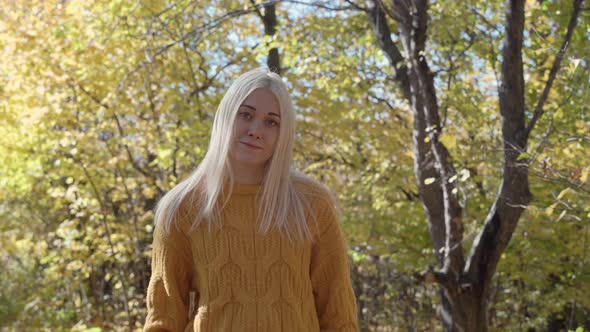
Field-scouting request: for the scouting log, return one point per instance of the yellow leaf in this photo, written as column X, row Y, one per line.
column 562, row 193
column 428, row 181
column 584, row 176
column 549, row 209
column 581, row 126
column 448, row 140
column 149, row 192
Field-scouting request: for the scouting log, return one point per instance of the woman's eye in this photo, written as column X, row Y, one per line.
column 246, row 115
column 271, row 123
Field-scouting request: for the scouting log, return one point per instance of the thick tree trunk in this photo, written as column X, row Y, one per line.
column 416, row 82
column 273, row 61
column 269, row 19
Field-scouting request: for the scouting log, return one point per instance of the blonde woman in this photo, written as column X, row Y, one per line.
column 246, row 243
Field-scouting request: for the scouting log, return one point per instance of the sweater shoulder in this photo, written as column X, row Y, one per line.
column 312, row 190
column 320, row 202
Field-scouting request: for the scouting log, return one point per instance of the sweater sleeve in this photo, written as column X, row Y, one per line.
column 169, row 288
column 330, row 275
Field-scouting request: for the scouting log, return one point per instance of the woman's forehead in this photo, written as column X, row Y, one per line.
column 263, row 100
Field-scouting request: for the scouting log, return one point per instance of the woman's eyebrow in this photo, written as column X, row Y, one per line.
column 254, row 109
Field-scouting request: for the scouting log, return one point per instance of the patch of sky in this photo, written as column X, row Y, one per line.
column 297, row 11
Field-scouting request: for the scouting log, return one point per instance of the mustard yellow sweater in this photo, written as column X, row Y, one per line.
column 244, row 280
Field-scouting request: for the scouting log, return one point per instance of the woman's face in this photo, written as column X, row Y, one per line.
column 256, row 130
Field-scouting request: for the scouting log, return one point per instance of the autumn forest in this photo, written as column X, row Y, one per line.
column 453, row 132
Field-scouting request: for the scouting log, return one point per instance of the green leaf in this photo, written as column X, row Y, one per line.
column 523, row 155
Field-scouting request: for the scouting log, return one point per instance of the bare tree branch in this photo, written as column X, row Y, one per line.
column 514, row 194
column 556, row 65
column 324, row 5
column 396, row 60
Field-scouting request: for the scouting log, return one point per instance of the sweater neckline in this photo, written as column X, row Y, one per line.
column 246, row 189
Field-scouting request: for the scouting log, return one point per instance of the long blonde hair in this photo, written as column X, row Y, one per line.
column 282, row 204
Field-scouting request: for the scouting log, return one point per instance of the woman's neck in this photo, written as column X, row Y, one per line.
column 248, row 175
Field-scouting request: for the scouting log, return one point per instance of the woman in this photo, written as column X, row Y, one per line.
column 246, row 243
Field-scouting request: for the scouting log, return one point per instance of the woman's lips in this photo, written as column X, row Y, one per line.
column 252, row 146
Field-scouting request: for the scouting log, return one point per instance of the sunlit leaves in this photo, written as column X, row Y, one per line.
column 106, row 105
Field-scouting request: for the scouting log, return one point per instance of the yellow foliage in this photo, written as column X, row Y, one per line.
column 448, row 140
column 563, row 193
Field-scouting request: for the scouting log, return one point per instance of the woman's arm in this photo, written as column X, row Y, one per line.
column 169, row 287
column 330, row 275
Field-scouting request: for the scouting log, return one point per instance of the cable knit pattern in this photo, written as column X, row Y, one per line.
column 248, row 281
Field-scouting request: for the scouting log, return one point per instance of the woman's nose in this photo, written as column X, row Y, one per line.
column 254, row 131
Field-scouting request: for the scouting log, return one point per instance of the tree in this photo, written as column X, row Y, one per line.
column 465, row 283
